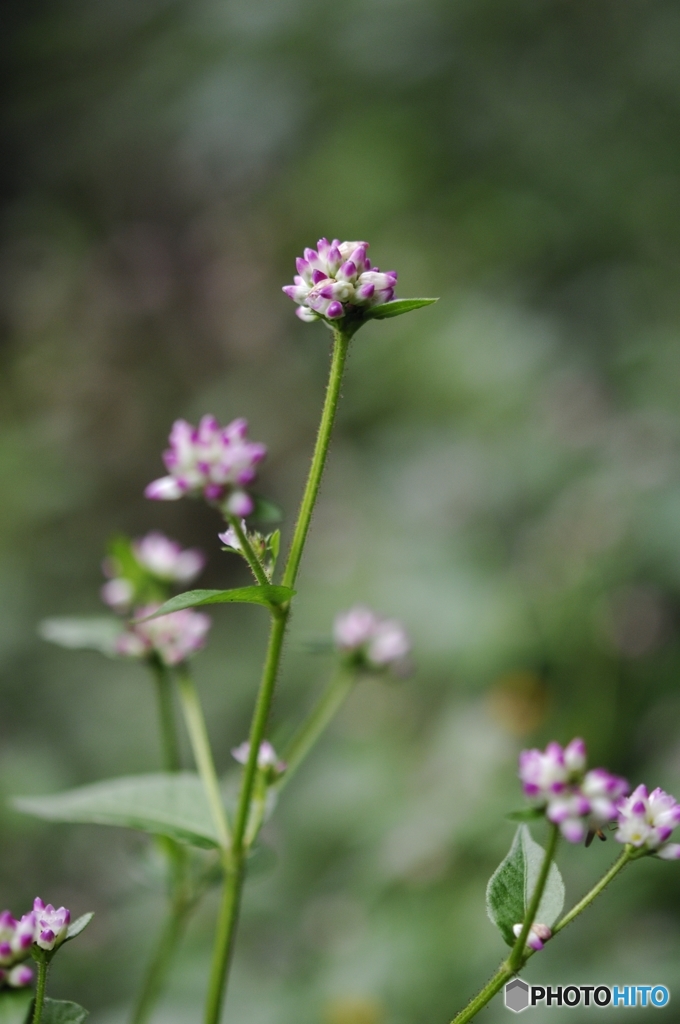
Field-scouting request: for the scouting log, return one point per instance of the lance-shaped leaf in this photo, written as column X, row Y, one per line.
column 510, row 888
column 396, row 307
column 266, row 595
column 526, row 814
column 94, row 634
column 266, row 511
column 14, row 1006
column 171, row 805
column 78, row 926
column 57, row 1011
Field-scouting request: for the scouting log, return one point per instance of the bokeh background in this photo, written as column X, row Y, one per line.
column 504, row 476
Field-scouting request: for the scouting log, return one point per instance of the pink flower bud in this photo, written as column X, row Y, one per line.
column 336, row 279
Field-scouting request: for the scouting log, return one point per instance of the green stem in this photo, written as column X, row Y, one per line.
column 319, row 718
column 510, row 967
column 40, row 991
column 625, row 858
column 503, row 974
column 166, row 716
column 200, row 745
column 517, row 955
column 231, row 899
column 225, row 937
column 251, row 558
column 160, row 962
column 323, row 438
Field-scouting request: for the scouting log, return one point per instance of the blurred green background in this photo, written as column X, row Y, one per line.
column 504, row 476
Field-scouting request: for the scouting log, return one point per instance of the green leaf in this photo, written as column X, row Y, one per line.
column 525, row 814
column 171, row 805
column 396, row 308
column 94, row 634
column 275, row 545
column 240, row 595
column 266, row 511
column 57, row 1011
column 14, row 1006
column 509, row 891
column 78, row 926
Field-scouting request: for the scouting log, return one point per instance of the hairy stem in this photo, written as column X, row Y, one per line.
column 340, row 346
column 166, row 716
column 40, row 991
column 249, row 554
column 161, row 960
column 503, row 974
column 200, row 745
column 176, row 856
column 517, row 956
column 319, row 718
column 231, row 898
column 511, row 966
column 625, row 858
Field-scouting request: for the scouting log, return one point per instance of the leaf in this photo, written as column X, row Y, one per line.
column 525, row 814
column 57, row 1011
column 78, row 926
column 510, row 887
column 396, row 308
column 266, row 511
column 14, row 1006
column 171, row 805
column 240, row 595
column 93, row 634
column 275, row 544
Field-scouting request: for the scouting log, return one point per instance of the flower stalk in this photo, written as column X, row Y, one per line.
column 166, row 716
column 233, row 887
column 200, row 745
column 520, row 954
column 339, row 687
column 41, row 984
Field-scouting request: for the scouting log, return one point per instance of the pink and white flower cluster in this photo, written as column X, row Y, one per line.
column 173, row 637
column 218, row 462
column 267, row 758
column 646, row 821
column 577, row 800
column 371, row 640
column 43, row 926
column 163, row 558
column 336, row 278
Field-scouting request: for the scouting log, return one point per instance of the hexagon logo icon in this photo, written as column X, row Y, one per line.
column 517, row 995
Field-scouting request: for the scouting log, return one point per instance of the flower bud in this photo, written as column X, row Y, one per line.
column 173, row 638
column 579, row 802
column 646, row 821
column 215, row 461
column 19, row 976
column 538, row 934
column 371, row 640
column 267, row 758
column 51, row 925
column 337, row 279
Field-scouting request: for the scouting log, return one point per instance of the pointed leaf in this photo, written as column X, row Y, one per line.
column 57, row 1011
column 514, row 880
column 240, row 595
column 171, row 805
column 78, row 926
column 525, row 814
column 396, row 308
column 94, row 634
column 14, row 1005
column 266, row 511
